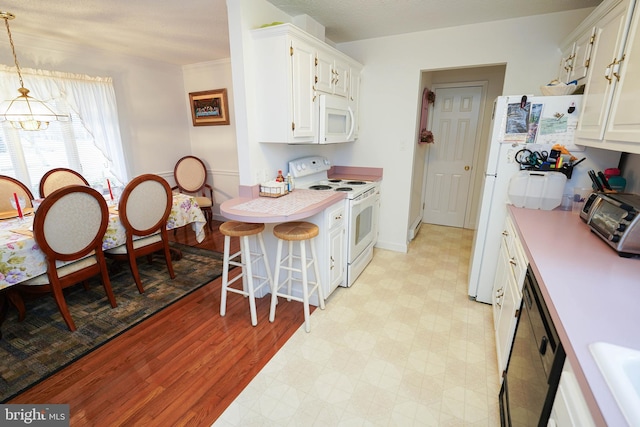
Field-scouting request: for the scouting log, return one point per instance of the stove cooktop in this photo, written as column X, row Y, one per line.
column 353, row 188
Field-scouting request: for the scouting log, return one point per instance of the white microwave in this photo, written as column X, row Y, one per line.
column 336, row 122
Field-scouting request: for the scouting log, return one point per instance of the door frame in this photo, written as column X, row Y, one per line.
column 483, row 84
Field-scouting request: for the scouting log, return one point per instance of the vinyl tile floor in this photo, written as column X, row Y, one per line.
column 404, row 346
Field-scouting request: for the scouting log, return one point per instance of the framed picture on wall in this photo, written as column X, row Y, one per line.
column 209, row 107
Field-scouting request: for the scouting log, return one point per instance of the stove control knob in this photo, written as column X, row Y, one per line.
column 621, row 227
column 615, row 238
column 303, row 167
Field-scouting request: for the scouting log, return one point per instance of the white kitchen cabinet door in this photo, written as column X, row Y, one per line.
column 509, row 306
column 624, row 124
column 305, row 117
column 566, row 63
column 336, row 245
column 570, row 408
column 581, row 58
column 337, row 257
column 285, row 69
column 332, row 74
column 610, row 33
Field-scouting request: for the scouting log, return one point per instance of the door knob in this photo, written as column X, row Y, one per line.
column 467, row 168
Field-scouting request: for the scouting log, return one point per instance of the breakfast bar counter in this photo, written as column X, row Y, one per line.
column 296, row 205
column 591, row 292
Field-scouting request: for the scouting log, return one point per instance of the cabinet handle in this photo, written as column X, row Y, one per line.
column 505, row 233
column 512, row 261
column 616, row 68
column 499, row 292
column 332, row 263
column 607, row 71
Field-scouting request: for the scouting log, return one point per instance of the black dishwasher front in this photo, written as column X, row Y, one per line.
column 535, row 364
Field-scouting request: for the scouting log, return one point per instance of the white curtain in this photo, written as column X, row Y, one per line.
column 91, row 98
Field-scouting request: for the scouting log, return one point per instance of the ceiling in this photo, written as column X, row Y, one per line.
column 192, row 31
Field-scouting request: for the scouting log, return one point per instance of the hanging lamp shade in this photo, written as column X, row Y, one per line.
column 24, row 111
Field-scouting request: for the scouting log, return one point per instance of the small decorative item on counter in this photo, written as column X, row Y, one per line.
column 280, row 177
column 273, row 189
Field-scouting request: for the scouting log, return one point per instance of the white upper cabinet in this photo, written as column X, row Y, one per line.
column 576, row 57
column 291, row 69
column 624, row 126
column 609, row 117
column 285, row 73
column 332, row 74
column 610, row 35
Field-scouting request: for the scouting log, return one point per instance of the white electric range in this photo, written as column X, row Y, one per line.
column 362, row 207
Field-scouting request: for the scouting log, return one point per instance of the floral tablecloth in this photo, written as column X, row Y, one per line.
column 21, row 259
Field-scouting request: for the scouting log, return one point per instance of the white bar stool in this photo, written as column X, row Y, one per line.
column 243, row 230
column 302, row 232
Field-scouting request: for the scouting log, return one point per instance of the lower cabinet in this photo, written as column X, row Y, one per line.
column 336, row 246
column 569, row 407
column 507, row 292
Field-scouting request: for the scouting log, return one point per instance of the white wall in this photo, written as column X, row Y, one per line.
column 150, row 96
column 215, row 145
column 391, row 85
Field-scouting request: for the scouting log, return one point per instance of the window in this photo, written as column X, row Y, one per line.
column 89, row 143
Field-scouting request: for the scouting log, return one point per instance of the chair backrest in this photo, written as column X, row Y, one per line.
column 8, row 186
column 71, row 222
column 58, row 178
column 190, row 174
column 145, row 205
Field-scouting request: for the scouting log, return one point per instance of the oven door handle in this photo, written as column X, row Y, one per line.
column 361, row 201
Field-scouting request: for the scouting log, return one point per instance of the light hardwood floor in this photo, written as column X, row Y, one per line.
column 183, row 366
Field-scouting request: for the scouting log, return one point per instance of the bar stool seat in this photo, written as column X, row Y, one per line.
column 297, row 231
column 245, row 258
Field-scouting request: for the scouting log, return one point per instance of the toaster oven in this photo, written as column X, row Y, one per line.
column 615, row 219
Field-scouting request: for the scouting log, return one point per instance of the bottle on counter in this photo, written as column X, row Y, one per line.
column 289, row 182
column 280, row 177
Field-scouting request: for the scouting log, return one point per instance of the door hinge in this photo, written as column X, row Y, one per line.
column 316, row 61
column 592, row 40
column 290, row 50
column 587, row 62
column 517, row 312
column 293, row 126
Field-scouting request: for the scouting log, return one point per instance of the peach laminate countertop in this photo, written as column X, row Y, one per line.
column 275, row 209
column 592, row 295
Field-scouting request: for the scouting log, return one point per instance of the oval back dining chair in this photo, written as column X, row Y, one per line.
column 144, row 208
column 190, row 174
column 58, row 178
column 69, row 226
column 8, row 186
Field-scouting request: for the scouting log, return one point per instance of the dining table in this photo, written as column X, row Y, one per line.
column 21, row 258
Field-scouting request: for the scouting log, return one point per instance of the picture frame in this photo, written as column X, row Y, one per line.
column 209, row 107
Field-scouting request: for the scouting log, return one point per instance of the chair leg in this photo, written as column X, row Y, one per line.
column 305, row 286
column 316, row 269
column 106, row 282
column 167, row 257
column 225, row 276
column 276, row 284
column 246, row 254
column 133, row 265
column 16, row 299
column 208, row 215
column 56, row 290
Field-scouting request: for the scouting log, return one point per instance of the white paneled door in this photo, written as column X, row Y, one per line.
column 456, row 114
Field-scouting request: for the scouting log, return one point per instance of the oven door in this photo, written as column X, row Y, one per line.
column 361, row 224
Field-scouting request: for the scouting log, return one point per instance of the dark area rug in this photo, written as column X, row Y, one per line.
column 41, row 345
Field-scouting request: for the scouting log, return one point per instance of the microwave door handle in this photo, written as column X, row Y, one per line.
column 353, row 123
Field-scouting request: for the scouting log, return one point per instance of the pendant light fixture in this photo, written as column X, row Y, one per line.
column 25, row 112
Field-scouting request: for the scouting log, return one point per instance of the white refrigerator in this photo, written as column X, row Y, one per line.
column 537, row 124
